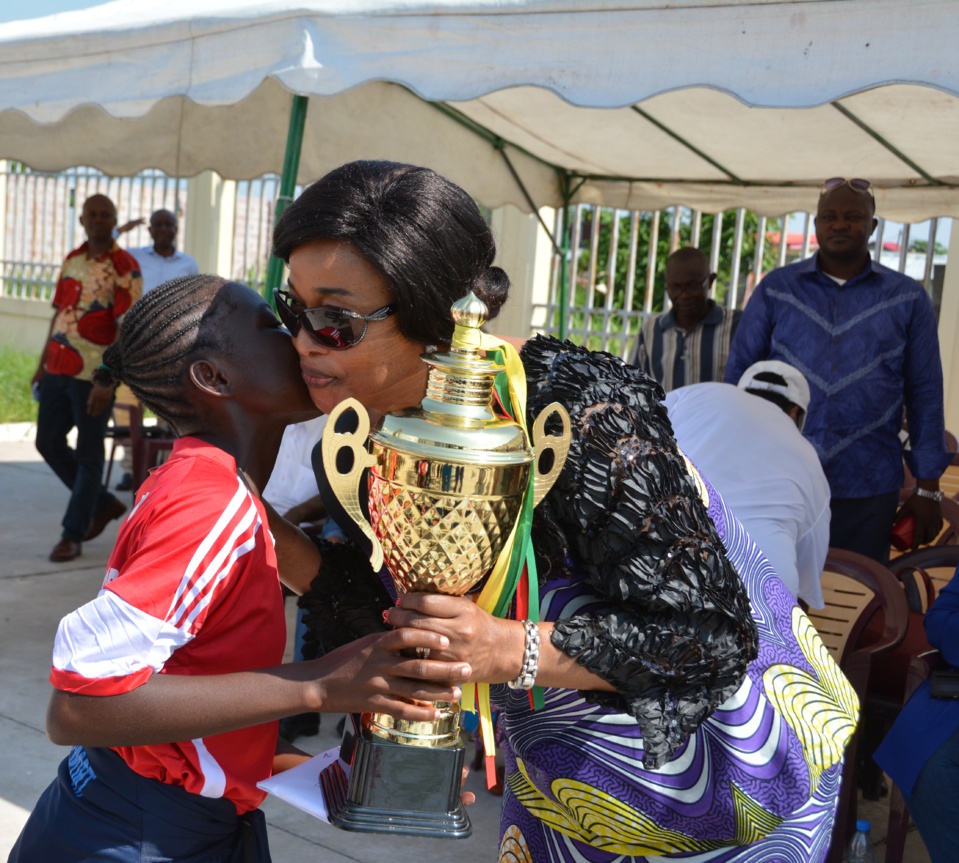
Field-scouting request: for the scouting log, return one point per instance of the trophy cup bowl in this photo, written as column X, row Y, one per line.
column 447, row 481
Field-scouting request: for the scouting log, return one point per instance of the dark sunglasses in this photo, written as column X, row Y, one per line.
column 857, row 184
column 334, row 328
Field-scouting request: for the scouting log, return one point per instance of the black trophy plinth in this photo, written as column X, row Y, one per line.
column 398, row 789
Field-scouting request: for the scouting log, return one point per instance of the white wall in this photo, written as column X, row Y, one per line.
column 523, row 249
column 24, row 324
column 949, row 335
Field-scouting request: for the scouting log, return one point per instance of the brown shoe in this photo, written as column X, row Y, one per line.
column 64, row 550
column 114, row 510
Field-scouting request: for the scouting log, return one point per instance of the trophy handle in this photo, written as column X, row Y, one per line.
column 346, row 486
column 542, row 442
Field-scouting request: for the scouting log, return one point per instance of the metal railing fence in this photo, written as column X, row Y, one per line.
column 617, row 258
column 42, row 221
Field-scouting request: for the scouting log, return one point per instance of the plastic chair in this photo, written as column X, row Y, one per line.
column 854, row 588
column 938, row 562
column 117, row 433
column 147, row 443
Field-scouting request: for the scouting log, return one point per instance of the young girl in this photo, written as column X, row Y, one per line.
column 169, row 685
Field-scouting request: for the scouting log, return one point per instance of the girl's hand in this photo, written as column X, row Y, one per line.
column 383, row 673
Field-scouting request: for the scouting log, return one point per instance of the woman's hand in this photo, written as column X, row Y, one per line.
column 288, row 756
column 492, row 646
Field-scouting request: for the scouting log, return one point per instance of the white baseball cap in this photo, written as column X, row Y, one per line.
column 795, row 388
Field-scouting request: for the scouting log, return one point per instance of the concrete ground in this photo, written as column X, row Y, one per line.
column 35, row 594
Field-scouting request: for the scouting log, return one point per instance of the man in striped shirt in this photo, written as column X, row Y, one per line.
column 688, row 344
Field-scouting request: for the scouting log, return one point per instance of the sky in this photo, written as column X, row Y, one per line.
column 15, row 10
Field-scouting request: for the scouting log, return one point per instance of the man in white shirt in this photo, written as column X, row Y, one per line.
column 162, row 262
column 746, row 439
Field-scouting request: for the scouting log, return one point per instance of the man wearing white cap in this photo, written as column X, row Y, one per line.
column 754, row 454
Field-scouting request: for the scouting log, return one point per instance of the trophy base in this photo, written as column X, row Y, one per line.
column 403, row 790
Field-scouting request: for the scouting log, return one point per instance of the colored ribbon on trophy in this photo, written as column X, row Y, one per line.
column 514, row 573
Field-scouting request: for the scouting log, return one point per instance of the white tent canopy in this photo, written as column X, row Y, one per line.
column 636, row 104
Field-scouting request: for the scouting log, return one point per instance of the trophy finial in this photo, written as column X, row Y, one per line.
column 469, row 314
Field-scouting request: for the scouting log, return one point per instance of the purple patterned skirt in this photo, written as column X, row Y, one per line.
column 758, row 781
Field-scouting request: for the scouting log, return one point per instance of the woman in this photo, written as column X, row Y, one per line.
column 168, row 685
column 662, row 733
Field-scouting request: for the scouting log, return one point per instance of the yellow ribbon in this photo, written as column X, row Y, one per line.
column 476, row 698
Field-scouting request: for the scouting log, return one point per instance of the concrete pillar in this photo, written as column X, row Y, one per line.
column 949, row 332
column 4, row 167
column 208, row 229
column 524, row 250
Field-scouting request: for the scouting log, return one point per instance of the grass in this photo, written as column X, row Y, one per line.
column 16, row 401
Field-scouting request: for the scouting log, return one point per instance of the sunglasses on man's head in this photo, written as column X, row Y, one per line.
column 857, row 184
column 332, row 327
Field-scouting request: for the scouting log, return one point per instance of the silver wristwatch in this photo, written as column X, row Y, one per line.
column 924, row 492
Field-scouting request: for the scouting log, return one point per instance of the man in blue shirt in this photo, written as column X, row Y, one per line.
column 162, row 261
column 865, row 337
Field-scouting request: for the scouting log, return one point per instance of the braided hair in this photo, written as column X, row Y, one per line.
column 160, row 335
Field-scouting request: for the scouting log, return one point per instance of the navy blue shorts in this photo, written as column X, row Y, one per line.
column 98, row 809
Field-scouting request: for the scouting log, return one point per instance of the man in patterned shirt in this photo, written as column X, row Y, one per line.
column 689, row 343
column 865, row 337
column 98, row 283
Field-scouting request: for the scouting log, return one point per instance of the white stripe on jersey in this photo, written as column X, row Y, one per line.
column 214, row 779
column 224, row 553
column 238, row 552
column 108, row 637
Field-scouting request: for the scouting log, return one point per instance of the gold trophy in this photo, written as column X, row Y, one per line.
column 446, row 484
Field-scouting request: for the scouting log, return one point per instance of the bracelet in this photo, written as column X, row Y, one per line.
column 931, row 495
column 527, row 674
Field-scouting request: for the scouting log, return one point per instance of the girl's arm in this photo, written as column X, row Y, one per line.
column 371, row 674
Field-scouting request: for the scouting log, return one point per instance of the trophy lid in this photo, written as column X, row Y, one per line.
column 455, row 421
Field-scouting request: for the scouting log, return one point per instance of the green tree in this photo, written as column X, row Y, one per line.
column 922, row 246
column 724, row 270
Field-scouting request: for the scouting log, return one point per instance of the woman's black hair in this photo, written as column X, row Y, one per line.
column 160, row 335
column 423, row 233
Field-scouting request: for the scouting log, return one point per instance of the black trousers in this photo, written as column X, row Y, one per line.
column 862, row 524
column 98, row 809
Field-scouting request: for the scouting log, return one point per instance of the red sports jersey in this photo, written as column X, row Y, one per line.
column 191, row 588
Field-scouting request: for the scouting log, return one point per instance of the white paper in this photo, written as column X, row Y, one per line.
column 300, row 786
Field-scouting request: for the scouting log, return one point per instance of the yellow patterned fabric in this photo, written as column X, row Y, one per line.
column 821, row 708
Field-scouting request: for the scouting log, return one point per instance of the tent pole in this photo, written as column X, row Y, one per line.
column 291, row 165
column 564, row 276
column 567, row 192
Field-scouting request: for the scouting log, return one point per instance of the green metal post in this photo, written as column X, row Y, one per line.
column 291, row 165
column 564, row 276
